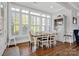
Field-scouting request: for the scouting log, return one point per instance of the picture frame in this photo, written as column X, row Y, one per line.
column 74, row 20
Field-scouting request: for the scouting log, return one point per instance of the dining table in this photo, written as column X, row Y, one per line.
column 39, row 35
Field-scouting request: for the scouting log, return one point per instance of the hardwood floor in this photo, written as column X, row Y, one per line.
column 61, row 49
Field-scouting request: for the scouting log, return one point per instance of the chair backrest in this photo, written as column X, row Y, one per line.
column 53, row 36
column 45, row 37
column 30, row 36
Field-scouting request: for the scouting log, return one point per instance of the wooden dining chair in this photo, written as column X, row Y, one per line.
column 31, row 39
column 44, row 41
column 52, row 40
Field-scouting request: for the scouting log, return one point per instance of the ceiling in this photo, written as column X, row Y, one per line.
column 70, row 5
column 51, row 7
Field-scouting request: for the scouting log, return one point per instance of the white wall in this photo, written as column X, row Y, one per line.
column 3, row 38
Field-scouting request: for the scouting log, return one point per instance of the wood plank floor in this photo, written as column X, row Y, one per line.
column 61, row 49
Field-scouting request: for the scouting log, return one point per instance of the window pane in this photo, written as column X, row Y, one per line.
column 13, row 9
column 43, row 28
column 43, row 24
column 16, row 20
column 49, row 24
column 16, row 30
column 48, row 21
column 38, row 21
column 33, row 20
column 25, row 11
column 24, row 19
column 36, row 29
column 32, row 28
column 33, row 13
column 43, row 21
column 17, row 9
column 43, row 15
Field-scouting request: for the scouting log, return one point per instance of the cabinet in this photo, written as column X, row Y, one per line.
column 60, row 27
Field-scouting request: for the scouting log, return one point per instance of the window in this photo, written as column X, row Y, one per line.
column 24, row 23
column 35, row 24
column 15, row 21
